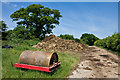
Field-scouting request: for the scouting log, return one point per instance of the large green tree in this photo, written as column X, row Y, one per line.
column 37, row 19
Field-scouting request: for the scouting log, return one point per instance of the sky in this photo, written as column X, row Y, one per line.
column 98, row 18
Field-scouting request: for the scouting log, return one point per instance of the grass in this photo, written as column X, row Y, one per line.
column 11, row 56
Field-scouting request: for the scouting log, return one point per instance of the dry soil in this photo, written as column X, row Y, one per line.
column 97, row 63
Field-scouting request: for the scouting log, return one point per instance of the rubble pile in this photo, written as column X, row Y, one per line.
column 55, row 43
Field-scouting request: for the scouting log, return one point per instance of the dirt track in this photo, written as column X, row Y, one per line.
column 97, row 63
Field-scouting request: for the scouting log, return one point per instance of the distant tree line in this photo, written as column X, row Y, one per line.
column 86, row 38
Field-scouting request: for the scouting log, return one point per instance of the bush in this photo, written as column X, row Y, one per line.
column 18, row 34
column 89, row 38
column 112, row 42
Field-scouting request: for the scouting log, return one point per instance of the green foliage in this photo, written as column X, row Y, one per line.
column 112, row 42
column 19, row 33
column 37, row 19
column 11, row 56
column 3, row 28
column 88, row 38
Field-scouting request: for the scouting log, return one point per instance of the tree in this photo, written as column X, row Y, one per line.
column 20, row 32
column 37, row 19
column 3, row 28
column 89, row 38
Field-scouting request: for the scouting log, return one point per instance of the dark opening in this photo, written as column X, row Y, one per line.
column 54, row 58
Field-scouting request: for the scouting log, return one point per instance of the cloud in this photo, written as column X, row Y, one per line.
column 10, row 28
column 66, row 30
column 100, row 26
column 93, row 29
column 76, row 23
column 11, row 25
column 14, row 5
column 9, row 4
column 22, row 6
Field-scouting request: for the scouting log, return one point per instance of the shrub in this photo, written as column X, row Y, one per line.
column 88, row 38
column 110, row 42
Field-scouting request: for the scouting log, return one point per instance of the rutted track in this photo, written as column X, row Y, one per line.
column 98, row 63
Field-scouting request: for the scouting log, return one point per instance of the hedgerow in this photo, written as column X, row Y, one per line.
column 110, row 42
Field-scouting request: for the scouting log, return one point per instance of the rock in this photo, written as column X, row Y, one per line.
column 87, row 68
column 106, row 56
column 95, row 59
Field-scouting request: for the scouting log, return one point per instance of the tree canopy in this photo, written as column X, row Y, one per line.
column 3, row 29
column 37, row 19
column 89, row 38
column 3, row 26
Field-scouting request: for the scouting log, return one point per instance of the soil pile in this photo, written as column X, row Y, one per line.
column 55, row 43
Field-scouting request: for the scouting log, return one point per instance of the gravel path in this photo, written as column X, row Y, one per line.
column 98, row 63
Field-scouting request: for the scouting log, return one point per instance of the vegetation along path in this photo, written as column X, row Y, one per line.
column 98, row 63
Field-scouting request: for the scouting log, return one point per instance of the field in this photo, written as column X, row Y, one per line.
column 11, row 56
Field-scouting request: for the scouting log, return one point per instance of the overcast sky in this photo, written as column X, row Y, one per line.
column 98, row 18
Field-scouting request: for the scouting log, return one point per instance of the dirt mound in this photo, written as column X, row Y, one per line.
column 55, row 43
